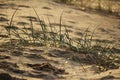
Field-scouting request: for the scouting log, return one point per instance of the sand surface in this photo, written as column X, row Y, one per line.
column 108, row 28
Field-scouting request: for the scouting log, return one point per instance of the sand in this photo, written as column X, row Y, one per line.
column 108, row 28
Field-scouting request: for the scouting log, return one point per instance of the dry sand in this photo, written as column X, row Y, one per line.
column 108, row 28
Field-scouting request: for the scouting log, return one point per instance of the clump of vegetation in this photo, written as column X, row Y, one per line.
column 48, row 35
column 107, row 61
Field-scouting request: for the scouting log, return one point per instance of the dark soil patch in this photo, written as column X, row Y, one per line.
column 5, row 76
column 35, row 56
column 11, row 67
column 2, row 19
column 17, row 53
column 5, row 65
column 46, row 8
column 110, row 77
column 47, row 67
column 4, row 57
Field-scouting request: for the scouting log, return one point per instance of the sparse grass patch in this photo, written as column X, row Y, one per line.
column 107, row 61
column 48, row 35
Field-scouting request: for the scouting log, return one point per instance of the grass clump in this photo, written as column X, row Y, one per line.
column 107, row 61
column 48, row 35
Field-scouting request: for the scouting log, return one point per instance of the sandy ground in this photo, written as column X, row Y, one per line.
column 108, row 28
column 77, row 21
column 20, row 66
